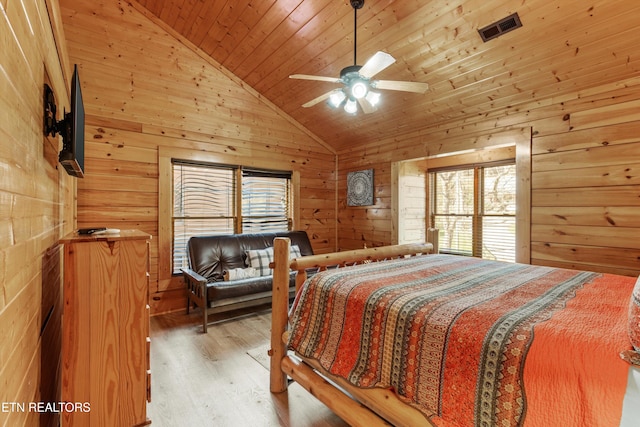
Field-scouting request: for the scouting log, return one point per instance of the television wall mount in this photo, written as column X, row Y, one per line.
column 51, row 125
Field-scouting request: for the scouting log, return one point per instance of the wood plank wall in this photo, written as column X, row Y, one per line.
column 585, row 176
column 145, row 91
column 36, row 209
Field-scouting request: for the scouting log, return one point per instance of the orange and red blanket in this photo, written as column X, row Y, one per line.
column 451, row 335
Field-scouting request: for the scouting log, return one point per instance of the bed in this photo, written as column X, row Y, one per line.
column 409, row 339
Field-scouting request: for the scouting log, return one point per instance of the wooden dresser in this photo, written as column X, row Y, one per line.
column 105, row 329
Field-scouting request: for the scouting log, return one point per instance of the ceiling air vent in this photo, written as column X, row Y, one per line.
column 500, row 27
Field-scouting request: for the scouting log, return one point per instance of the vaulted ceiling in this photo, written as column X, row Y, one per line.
column 564, row 46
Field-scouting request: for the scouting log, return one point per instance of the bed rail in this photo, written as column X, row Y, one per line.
column 358, row 256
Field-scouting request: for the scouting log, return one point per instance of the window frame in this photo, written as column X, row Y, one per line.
column 477, row 213
column 234, row 210
column 459, row 149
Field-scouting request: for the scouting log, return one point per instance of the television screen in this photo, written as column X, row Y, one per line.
column 72, row 154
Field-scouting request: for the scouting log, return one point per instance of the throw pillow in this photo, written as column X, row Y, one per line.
column 260, row 259
column 294, row 252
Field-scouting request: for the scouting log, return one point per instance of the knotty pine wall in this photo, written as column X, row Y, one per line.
column 585, row 179
column 149, row 96
column 36, row 210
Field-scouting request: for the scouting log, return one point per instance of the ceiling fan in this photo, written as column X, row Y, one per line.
column 358, row 85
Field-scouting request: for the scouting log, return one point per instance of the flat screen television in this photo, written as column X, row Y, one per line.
column 71, row 127
column 72, row 154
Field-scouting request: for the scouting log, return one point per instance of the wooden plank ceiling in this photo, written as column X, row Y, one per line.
column 563, row 47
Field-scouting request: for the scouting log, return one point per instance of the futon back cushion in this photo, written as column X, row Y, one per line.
column 634, row 317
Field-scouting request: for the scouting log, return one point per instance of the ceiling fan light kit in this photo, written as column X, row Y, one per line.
column 350, row 106
column 373, row 97
column 357, row 80
column 359, row 89
column 336, row 98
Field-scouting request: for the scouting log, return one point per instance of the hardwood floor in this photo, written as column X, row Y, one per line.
column 210, row 379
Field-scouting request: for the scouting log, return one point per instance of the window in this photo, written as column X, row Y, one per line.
column 265, row 201
column 206, row 201
column 475, row 210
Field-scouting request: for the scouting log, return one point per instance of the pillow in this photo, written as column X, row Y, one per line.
column 294, row 252
column 240, row 273
column 260, row 259
column 634, row 317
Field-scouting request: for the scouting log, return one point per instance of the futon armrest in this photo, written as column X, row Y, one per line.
column 196, row 286
column 193, row 277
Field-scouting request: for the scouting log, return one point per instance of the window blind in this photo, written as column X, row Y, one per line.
column 499, row 212
column 265, row 201
column 203, row 205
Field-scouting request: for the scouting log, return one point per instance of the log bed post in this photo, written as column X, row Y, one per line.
column 279, row 313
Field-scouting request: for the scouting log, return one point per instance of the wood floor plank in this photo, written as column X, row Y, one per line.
column 210, row 380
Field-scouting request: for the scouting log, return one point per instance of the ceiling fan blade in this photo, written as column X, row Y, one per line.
column 320, row 98
column 317, row 78
column 416, row 87
column 376, row 63
column 366, row 106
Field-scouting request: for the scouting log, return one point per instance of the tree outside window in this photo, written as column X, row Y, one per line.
column 474, row 208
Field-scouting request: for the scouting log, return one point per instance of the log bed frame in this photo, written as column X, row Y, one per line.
column 356, row 406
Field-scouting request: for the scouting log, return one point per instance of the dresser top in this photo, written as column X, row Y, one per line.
column 106, row 237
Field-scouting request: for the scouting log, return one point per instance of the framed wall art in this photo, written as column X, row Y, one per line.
column 360, row 188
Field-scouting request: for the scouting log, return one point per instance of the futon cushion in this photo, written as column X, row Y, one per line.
column 237, row 288
column 634, row 317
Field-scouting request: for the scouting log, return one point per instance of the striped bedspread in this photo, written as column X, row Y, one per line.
column 448, row 334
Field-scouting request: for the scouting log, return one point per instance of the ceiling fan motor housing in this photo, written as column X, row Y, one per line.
column 350, row 72
column 357, row 86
